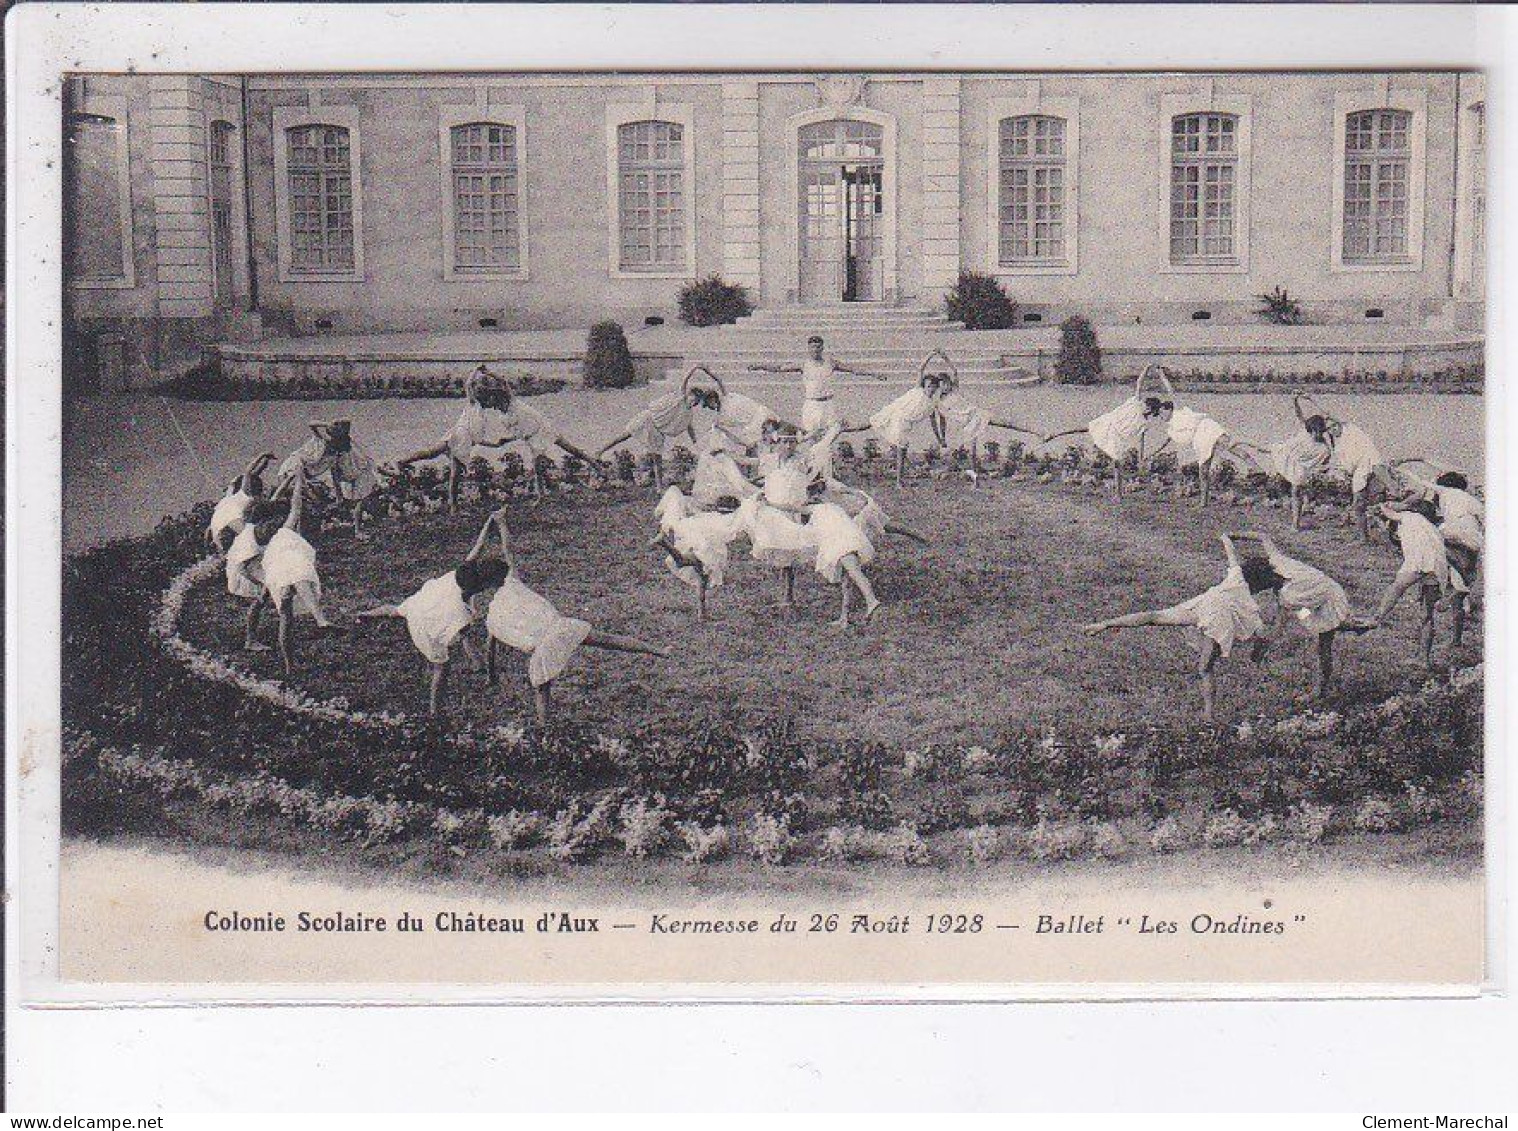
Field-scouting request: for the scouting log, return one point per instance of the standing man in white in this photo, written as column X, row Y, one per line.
column 818, row 409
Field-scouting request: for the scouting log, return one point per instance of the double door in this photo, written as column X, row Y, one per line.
column 842, row 204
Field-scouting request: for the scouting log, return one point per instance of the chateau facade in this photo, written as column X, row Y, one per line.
column 201, row 207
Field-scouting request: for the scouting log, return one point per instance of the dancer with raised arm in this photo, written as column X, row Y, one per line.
column 1225, row 615
column 695, row 543
column 438, row 613
column 332, row 454
column 1462, row 522
column 1355, row 454
column 476, row 426
column 1197, row 439
column 230, row 514
column 273, row 564
column 1425, row 566
column 970, row 420
column 667, row 418
column 895, row 422
column 1119, row 432
column 1308, row 596
column 522, row 620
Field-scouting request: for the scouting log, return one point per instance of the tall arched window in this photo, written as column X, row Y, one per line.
column 1377, row 162
column 486, row 198
column 651, row 196
column 1031, row 196
column 1204, row 157
column 320, row 175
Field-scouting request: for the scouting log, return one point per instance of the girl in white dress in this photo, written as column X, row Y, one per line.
column 1197, row 438
column 521, row 619
column 1462, row 521
column 1225, row 615
column 1354, row 453
column 333, row 455
column 1425, row 565
column 438, row 613
column 230, row 515
column 476, row 426
column 667, row 418
column 695, row 543
column 273, row 556
column 1308, row 596
column 741, row 420
column 969, row 420
column 895, row 422
column 719, row 474
column 1121, row 430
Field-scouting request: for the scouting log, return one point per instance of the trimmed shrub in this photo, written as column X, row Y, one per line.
column 713, row 302
column 1080, row 358
column 608, row 360
column 980, row 303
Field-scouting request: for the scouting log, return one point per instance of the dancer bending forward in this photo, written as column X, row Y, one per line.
column 1120, row 432
column 1225, row 615
column 230, row 515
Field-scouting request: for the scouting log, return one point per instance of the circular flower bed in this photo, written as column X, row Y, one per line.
column 159, row 730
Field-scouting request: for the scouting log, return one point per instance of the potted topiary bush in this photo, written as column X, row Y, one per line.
column 980, row 303
column 608, row 360
column 713, row 302
column 1080, row 358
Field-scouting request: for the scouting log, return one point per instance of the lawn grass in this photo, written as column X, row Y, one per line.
column 980, row 631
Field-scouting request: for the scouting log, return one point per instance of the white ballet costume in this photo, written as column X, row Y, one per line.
column 1117, row 433
column 718, row 476
column 245, row 576
column 1227, row 614
column 894, row 423
column 1195, row 435
column 230, row 513
column 970, row 421
column 1462, row 518
column 780, row 539
column 1356, row 453
column 703, row 535
column 435, row 615
column 1313, row 599
column 1423, row 553
column 665, row 419
column 1299, row 458
column 289, row 560
column 521, row 619
column 744, row 417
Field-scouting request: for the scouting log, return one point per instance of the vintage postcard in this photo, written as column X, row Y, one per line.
column 743, row 531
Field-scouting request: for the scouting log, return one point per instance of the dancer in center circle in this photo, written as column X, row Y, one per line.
column 1225, row 615
column 438, row 613
column 667, row 418
column 230, row 514
column 521, row 619
column 1120, row 431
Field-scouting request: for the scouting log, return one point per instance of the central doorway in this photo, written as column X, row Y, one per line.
column 841, row 183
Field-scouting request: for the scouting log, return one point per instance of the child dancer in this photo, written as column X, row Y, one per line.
column 774, row 518
column 972, row 421
column 285, row 573
column 1355, row 453
column 438, row 613
column 894, row 423
column 475, row 427
column 1297, row 459
column 1197, row 439
column 521, row 619
column 1424, row 566
column 1120, row 431
column 741, row 420
column 718, row 473
column 331, row 453
column 1462, row 521
column 667, row 418
column 229, row 517
column 1223, row 616
column 1314, row 600
column 695, row 543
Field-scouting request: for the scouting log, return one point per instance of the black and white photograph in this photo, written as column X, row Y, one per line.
column 1006, row 528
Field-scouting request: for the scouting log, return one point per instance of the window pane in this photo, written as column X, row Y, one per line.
column 651, row 195
column 1377, row 160
column 1204, row 153
column 321, row 199
column 1032, row 188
